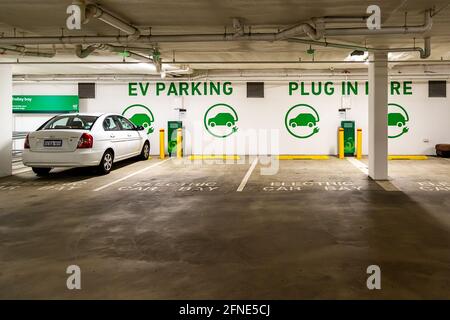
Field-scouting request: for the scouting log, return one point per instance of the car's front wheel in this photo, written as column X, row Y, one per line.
column 145, row 153
column 106, row 163
column 41, row 172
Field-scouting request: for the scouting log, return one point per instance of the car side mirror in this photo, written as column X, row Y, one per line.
column 140, row 128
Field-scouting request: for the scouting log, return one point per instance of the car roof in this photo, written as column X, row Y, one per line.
column 93, row 114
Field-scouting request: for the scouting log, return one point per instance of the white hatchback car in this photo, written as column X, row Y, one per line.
column 83, row 140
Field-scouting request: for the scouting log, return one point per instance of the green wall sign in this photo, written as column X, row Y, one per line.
column 181, row 88
column 140, row 115
column 45, row 104
column 301, row 121
column 345, row 88
column 398, row 119
column 220, row 120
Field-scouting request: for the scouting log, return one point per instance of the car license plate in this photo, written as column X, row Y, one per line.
column 52, row 143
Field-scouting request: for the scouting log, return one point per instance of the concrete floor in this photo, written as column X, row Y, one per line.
column 181, row 231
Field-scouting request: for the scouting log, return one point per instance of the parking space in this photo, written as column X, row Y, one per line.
column 165, row 229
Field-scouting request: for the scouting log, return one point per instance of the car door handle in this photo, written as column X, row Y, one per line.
column 129, row 135
column 112, row 136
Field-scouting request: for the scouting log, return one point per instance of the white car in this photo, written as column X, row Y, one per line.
column 83, row 140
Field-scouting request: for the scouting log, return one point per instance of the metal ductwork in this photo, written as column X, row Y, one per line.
column 97, row 12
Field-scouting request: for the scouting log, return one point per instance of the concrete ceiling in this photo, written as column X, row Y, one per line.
column 47, row 18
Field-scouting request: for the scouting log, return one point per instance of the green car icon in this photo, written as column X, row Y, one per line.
column 303, row 120
column 222, row 119
column 141, row 119
column 396, row 119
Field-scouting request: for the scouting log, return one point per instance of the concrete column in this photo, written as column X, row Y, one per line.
column 5, row 120
column 378, row 109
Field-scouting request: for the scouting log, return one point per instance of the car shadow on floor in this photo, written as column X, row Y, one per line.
column 76, row 174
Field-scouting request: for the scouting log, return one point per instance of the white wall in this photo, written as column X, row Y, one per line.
column 429, row 117
column 5, row 120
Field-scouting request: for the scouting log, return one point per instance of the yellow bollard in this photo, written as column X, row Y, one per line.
column 341, row 143
column 162, row 149
column 359, row 144
column 179, row 143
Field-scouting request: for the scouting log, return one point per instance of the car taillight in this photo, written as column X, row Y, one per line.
column 26, row 145
column 86, row 141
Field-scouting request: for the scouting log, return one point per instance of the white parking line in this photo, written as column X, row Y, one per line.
column 386, row 185
column 247, row 175
column 130, row 175
column 358, row 164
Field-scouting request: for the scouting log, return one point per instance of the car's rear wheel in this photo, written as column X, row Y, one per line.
column 145, row 153
column 106, row 163
column 310, row 124
column 399, row 124
column 41, row 172
column 229, row 124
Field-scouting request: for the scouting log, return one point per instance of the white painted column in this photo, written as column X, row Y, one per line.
column 5, row 120
column 378, row 109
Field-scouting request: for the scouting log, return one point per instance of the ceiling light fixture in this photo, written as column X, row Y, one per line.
column 356, row 56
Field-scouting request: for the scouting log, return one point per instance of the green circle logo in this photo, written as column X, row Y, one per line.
column 301, row 121
column 140, row 115
column 398, row 119
column 220, row 120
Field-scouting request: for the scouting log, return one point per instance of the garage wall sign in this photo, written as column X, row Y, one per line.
column 398, row 119
column 220, row 120
column 45, row 104
column 347, row 88
column 180, row 89
column 140, row 115
column 301, row 121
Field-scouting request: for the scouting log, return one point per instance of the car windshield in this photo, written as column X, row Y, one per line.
column 70, row 122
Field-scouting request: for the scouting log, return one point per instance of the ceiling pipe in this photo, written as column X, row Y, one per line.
column 84, row 53
column 252, row 62
column 276, row 75
column 22, row 51
column 134, row 36
column 428, row 23
column 299, row 30
column 87, row 40
column 342, row 19
column 424, row 52
column 97, row 12
column 117, row 49
column 131, row 54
